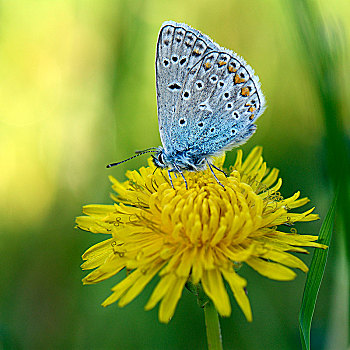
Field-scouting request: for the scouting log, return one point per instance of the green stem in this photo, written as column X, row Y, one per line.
column 213, row 326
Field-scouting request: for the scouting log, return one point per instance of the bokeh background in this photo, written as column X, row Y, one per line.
column 77, row 91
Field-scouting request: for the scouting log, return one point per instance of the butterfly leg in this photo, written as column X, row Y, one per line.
column 182, row 175
column 212, row 171
column 171, row 180
column 219, row 169
column 184, row 179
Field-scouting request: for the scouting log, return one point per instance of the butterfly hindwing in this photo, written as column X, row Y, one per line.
column 220, row 101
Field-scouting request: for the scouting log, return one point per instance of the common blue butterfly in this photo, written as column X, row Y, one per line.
column 208, row 100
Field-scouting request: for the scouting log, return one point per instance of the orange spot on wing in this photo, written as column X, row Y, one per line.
column 231, row 69
column 251, row 109
column 221, row 63
column 238, row 79
column 251, row 117
column 196, row 51
column 245, row 91
column 207, row 65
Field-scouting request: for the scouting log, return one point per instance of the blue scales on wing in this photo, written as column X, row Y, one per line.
column 220, row 101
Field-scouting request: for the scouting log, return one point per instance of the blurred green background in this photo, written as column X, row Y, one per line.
column 77, row 91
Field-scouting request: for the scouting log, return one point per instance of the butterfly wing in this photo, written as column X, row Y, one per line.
column 179, row 48
column 211, row 102
column 220, row 101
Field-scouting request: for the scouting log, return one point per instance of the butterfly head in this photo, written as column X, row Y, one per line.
column 160, row 159
column 185, row 160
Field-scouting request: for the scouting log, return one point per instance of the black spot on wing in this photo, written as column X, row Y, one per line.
column 174, row 86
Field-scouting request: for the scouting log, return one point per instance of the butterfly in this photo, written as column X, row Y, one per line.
column 208, row 100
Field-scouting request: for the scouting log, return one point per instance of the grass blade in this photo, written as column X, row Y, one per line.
column 314, row 277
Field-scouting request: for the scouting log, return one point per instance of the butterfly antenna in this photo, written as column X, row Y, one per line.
column 151, row 149
column 138, row 153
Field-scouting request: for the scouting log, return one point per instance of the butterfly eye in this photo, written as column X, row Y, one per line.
column 160, row 158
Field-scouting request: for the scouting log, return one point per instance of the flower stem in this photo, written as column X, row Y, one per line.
column 213, row 326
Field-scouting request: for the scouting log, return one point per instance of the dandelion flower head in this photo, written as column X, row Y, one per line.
column 200, row 234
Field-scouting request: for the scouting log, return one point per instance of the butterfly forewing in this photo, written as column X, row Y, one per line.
column 179, row 48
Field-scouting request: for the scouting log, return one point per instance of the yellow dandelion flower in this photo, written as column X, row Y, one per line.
column 199, row 235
